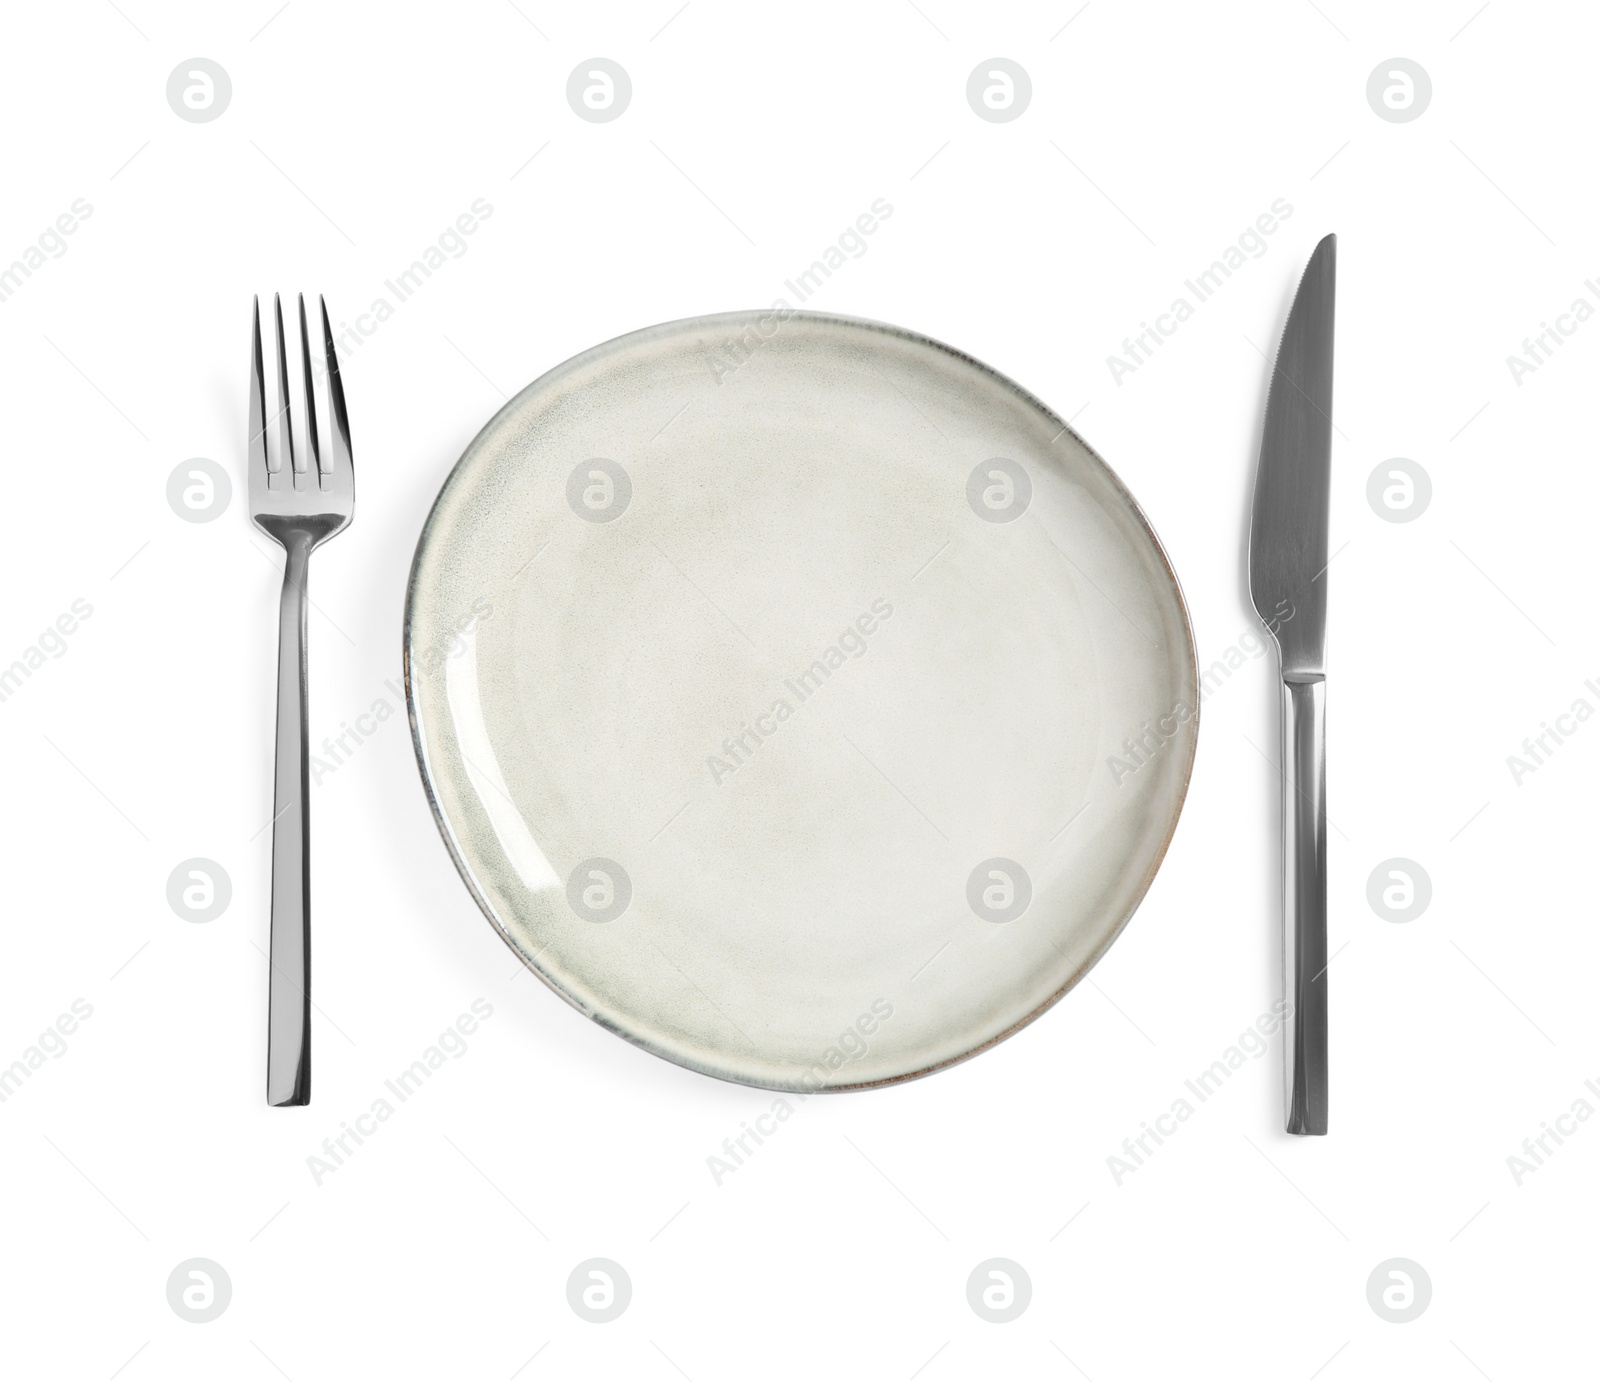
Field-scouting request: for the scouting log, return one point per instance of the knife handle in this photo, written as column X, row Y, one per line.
column 1305, row 906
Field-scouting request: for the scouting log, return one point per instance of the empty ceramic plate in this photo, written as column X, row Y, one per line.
column 800, row 698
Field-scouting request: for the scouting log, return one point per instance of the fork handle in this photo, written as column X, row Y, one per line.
column 1305, row 907
column 289, row 998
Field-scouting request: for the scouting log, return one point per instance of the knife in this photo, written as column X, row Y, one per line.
column 1288, row 559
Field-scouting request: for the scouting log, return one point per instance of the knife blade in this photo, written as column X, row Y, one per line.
column 1288, row 562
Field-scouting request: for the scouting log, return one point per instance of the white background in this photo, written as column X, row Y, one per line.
column 1156, row 135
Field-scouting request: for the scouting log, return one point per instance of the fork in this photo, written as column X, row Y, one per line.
column 300, row 502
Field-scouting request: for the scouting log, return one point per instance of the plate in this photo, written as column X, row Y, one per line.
column 800, row 698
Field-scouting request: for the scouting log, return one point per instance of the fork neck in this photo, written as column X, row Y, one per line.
column 302, row 532
column 297, row 545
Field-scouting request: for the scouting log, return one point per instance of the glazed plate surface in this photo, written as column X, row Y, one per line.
column 800, row 699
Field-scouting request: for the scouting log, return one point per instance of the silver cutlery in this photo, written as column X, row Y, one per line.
column 1288, row 560
column 300, row 501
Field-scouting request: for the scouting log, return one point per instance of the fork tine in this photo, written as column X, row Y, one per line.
column 314, row 464
column 260, row 462
column 339, row 442
column 286, row 456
